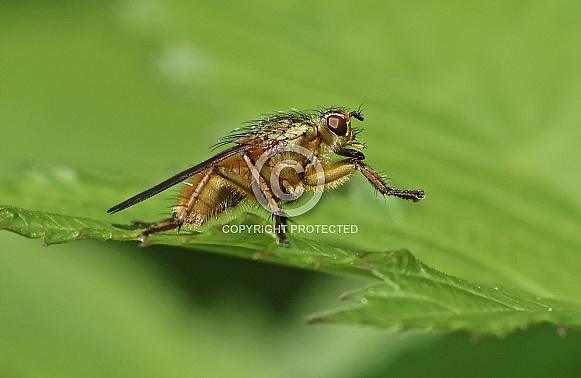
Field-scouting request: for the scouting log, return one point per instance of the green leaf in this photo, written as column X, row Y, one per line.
column 414, row 296
column 56, row 228
column 407, row 293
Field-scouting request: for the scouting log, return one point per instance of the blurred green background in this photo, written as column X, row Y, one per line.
column 478, row 104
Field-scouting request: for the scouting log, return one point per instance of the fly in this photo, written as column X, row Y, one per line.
column 273, row 161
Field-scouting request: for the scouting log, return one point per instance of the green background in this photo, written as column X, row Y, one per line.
column 478, row 104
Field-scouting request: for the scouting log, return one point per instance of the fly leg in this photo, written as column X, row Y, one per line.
column 164, row 225
column 376, row 180
column 180, row 213
column 243, row 184
column 339, row 172
column 275, row 210
column 280, row 225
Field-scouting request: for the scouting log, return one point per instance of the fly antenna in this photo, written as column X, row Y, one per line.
column 357, row 114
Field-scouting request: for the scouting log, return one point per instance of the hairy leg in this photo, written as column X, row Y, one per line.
column 339, row 172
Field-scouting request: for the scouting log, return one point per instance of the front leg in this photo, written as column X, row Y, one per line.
column 376, row 180
column 339, row 172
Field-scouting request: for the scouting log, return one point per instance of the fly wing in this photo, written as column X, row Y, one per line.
column 182, row 176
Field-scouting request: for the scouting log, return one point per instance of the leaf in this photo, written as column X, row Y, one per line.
column 56, row 229
column 414, row 296
column 409, row 294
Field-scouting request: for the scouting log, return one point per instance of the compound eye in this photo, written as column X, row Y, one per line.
column 337, row 124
